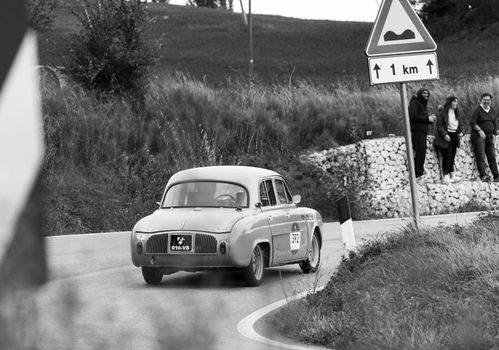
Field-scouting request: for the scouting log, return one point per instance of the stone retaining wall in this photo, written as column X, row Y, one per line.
column 377, row 171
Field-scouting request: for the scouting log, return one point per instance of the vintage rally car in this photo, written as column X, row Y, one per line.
column 226, row 217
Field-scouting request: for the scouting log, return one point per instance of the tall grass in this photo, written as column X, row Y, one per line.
column 430, row 289
column 106, row 163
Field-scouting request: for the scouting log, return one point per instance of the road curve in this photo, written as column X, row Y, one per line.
column 97, row 299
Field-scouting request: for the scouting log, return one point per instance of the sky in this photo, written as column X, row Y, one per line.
column 335, row 10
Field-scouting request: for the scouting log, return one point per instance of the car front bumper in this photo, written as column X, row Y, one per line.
column 208, row 251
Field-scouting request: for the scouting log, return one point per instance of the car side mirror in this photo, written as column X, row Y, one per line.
column 158, row 204
column 258, row 204
column 296, row 199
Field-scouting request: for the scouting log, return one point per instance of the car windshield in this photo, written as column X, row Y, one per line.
column 205, row 194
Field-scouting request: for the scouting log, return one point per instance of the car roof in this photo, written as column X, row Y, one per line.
column 227, row 173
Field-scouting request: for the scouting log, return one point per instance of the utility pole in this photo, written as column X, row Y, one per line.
column 250, row 24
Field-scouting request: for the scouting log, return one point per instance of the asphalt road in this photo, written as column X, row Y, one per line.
column 96, row 298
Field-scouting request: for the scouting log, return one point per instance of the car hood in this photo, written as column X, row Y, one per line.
column 191, row 219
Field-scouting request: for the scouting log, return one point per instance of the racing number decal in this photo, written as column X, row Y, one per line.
column 295, row 238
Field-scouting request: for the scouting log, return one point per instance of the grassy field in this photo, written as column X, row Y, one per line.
column 213, row 46
column 430, row 289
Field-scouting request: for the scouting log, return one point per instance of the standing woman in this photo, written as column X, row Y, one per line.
column 448, row 136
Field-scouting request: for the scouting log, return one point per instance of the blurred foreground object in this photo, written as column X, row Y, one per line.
column 22, row 252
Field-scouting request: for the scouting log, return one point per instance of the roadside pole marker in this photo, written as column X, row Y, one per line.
column 346, row 225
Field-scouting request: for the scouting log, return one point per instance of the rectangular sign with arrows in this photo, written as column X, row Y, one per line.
column 403, row 68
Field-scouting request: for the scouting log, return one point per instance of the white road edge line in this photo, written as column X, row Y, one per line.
column 247, row 324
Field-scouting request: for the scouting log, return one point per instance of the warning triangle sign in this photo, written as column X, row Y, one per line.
column 398, row 30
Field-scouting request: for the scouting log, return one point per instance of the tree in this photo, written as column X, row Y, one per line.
column 111, row 53
column 447, row 17
column 41, row 14
column 214, row 4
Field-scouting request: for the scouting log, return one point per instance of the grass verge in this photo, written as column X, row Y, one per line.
column 433, row 289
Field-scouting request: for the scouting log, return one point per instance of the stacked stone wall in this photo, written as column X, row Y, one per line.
column 377, row 171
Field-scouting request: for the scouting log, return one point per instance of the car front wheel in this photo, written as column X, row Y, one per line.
column 253, row 273
column 152, row 275
column 313, row 256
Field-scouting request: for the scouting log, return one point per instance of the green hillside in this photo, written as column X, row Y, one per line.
column 213, row 46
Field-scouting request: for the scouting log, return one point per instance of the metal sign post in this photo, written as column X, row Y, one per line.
column 410, row 153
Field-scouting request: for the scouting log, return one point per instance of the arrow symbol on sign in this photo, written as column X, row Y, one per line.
column 377, row 69
column 430, row 64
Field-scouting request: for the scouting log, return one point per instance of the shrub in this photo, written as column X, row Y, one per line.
column 111, row 53
column 447, row 17
column 41, row 14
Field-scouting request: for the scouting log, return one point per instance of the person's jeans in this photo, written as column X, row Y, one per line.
column 449, row 154
column 484, row 149
column 419, row 147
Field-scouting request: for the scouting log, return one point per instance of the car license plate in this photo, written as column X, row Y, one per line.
column 181, row 243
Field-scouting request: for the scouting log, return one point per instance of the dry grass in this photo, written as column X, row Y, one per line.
column 101, row 147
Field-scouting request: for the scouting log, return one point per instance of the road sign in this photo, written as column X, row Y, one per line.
column 403, row 68
column 398, row 30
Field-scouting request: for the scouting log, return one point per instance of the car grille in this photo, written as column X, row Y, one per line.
column 157, row 244
column 203, row 244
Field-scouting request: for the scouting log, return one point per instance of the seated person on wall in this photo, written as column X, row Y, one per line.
column 447, row 137
column 483, row 123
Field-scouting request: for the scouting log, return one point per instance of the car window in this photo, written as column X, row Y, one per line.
column 267, row 194
column 264, row 199
column 282, row 194
column 288, row 192
column 206, row 194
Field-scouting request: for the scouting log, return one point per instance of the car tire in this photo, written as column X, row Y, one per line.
column 311, row 264
column 253, row 273
column 152, row 275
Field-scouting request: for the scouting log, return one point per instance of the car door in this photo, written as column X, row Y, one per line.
column 276, row 218
column 288, row 231
column 289, row 227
